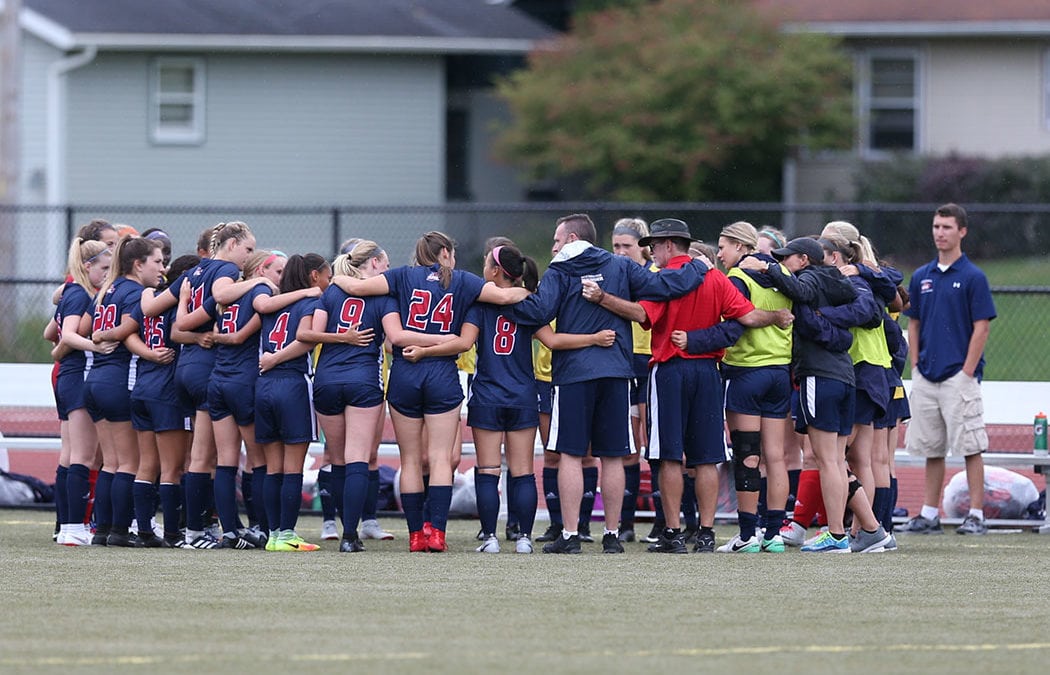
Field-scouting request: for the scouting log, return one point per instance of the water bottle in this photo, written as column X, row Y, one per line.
column 1039, row 433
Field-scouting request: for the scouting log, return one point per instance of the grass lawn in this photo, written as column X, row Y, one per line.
column 943, row 604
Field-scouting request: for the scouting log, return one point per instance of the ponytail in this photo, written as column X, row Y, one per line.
column 128, row 251
column 223, row 232
column 428, row 248
column 297, row 271
column 517, row 266
column 82, row 252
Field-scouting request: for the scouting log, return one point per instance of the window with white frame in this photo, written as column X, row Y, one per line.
column 177, row 101
column 888, row 101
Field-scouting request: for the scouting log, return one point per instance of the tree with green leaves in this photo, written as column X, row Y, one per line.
column 676, row 100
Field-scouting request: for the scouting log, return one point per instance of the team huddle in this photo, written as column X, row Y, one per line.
column 166, row 369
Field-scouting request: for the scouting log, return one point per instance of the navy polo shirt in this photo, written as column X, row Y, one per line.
column 946, row 305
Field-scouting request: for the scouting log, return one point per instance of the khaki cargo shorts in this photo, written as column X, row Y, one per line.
column 946, row 417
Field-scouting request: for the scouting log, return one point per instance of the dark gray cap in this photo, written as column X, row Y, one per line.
column 666, row 228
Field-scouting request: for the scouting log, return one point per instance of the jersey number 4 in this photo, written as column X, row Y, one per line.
column 420, row 313
column 278, row 336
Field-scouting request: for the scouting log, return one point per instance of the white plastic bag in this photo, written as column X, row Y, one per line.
column 1007, row 494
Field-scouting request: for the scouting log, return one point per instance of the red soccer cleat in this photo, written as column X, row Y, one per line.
column 417, row 542
column 436, row 542
column 427, row 529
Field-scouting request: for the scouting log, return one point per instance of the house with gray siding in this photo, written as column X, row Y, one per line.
column 213, row 109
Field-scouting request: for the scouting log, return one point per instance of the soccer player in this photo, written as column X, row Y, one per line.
column 89, row 262
column 284, row 416
column 348, row 390
column 137, row 263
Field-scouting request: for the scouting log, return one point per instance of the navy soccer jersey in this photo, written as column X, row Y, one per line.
column 234, row 361
column 278, row 331
column 75, row 302
column 426, row 306
column 342, row 363
column 504, row 374
column 155, row 381
column 121, row 298
column 202, row 277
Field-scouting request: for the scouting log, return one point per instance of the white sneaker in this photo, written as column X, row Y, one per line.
column 329, row 532
column 370, row 529
column 77, row 535
column 523, row 545
column 793, row 534
column 738, row 545
column 60, row 537
column 490, row 545
column 818, row 535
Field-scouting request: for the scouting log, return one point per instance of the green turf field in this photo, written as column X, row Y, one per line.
column 943, row 604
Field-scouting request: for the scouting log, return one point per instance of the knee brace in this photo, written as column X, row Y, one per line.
column 853, row 485
column 746, row 444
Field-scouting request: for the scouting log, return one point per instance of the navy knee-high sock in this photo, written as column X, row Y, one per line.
column 762, row 487
column 338, row 486
column 226, row 497
column 590, row 489
column 550, row 494
column 893, row 500
column 689, row 501
column 427, row 516
column 440, row 499
column 78, row 490
column 209, row 500
column 486, row 486
column 259, row 498
column 248, row 497
column 145, row 496
column 658, row 504
column 104, row 501
column 291, row 500
column 793, row 475
column 62, row 494
column 272, row 498
column 368, row 512
column 522, row 491
column 170, row 505
column 123, row 501
column 197, row 484
column 772, row 521
column 324, row 491
column 883, row 507
column 412, row 505
column 354, row 495
column 632, row 474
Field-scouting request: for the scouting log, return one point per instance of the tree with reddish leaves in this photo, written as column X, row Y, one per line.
column 676, row 100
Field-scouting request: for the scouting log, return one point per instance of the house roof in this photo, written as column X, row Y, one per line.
column 926, row 18
column 437, row 26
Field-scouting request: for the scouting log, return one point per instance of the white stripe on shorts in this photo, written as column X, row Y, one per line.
column 810, row 403
column 654, row 414
column 552, row 435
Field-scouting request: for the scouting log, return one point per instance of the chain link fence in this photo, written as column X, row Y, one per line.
column 1012, row 238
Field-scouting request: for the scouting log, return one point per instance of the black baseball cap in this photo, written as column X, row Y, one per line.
column 666, row 228
column 810, row 247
